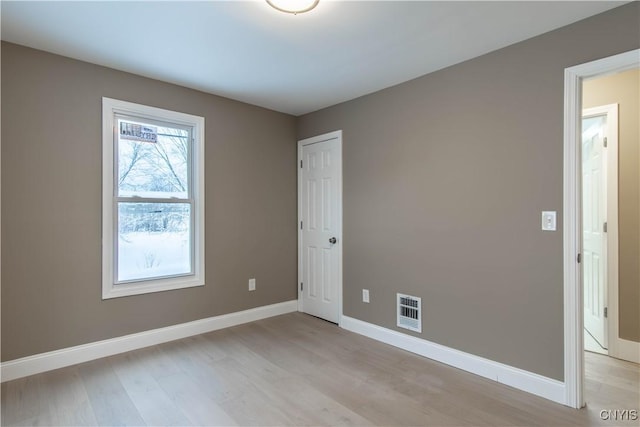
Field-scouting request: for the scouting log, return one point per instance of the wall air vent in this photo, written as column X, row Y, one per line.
column 409, row 309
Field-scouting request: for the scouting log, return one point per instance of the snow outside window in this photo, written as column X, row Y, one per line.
column 153, row 199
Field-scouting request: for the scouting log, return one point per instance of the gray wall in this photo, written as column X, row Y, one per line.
column 51, row 205
column 445, row 177
column 624, row 89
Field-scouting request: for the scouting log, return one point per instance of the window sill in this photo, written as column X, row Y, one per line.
column 151, row 286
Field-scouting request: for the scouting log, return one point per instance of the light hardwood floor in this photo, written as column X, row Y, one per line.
column 295, row 370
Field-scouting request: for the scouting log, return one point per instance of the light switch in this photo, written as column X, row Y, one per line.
column 549, row 220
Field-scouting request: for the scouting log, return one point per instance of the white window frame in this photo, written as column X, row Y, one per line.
column 111, row 107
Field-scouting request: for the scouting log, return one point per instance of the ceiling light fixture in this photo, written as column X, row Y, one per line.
column 293, row 6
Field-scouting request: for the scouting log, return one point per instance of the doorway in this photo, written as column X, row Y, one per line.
column 573, row 232
column 320, row 226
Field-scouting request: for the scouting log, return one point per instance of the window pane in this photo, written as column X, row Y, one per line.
column 154, row 240
column 153, row 161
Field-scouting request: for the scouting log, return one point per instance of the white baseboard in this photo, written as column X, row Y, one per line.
column 43, row 362
column 626, row 350
column 527, row 381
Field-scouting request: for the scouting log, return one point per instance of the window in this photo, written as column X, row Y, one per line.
column 153, row 199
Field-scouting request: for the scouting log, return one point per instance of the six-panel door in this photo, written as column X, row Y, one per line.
column 321, row 228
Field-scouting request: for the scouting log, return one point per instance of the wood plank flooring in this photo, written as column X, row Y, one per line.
column 295, row 370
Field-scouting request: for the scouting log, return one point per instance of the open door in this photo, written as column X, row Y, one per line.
column 594, row 225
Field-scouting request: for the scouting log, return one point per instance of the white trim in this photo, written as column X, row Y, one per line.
column 572, row 221
column 573, row 307
column 109, row 289
column 523, row 380
column 43, row 362
column 626, row 350
column 0, row 189
column 314, row 140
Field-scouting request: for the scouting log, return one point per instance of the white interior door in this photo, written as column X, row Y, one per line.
column 320, row 226
column 594, row 211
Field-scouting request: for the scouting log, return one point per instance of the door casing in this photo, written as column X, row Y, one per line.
column 572, row 219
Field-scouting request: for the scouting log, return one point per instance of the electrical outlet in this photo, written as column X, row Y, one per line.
column 252, row 284
column 365, row 295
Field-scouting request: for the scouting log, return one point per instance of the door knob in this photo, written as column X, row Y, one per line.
column 333, row 240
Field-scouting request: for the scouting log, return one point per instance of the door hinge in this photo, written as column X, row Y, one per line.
column 300, row 164
column 579, row 258
column 605, row 142
column 301, row 286
column 604, row 227
column 300, row 225
column 606, row 312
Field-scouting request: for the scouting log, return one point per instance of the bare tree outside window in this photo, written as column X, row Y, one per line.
column 154, row 238
column 155, row 167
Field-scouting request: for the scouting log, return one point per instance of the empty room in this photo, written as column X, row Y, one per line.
column 320, row 212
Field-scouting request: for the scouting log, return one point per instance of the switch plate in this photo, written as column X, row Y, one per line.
column 549, row 220
column 252, row 284
column 365, row 295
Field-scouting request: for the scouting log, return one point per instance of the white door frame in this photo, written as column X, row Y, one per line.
column 314, row 140
column 610, row 111
column 572, row 216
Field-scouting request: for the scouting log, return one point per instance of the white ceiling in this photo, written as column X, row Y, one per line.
column 247, row 51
